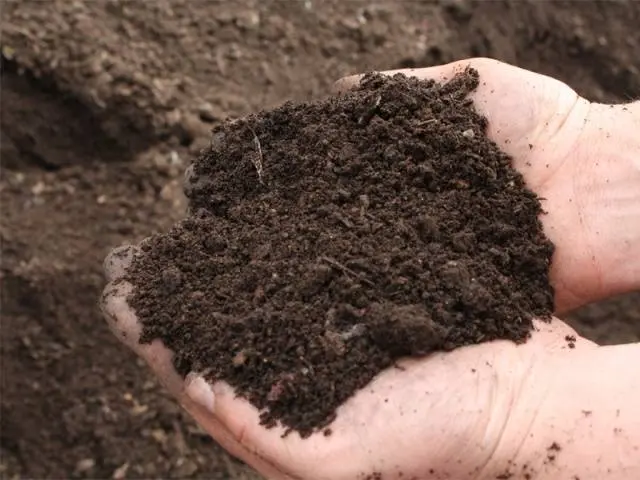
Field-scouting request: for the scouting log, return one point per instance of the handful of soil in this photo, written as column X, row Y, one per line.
column 327, row 240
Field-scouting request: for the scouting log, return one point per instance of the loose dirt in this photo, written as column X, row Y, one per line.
column 139, row 85
column 331, row 239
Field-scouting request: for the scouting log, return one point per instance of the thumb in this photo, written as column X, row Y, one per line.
column 439, row 73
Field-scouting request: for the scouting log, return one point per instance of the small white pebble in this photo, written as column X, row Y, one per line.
column 356, row 330
column 468, row 133
column 38, row 188
column 85, row 465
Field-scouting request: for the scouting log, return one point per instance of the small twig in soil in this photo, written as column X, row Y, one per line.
column 427, row 122
column 356, row 330
column 345, row 269
column 257, row 161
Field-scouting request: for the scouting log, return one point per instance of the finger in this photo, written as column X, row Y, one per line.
column 439, row 73
column 124, row 323
column 495, row 69
column 291, row 454
column 120, row 318
column 118, row 260
column 221, row 412
column 201, row 403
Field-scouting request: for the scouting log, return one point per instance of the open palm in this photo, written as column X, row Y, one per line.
column 449, row 415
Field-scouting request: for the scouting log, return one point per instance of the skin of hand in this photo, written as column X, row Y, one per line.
column 496, row 410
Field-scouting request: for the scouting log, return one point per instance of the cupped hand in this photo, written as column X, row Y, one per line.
column 458, row 415
column 462, row 414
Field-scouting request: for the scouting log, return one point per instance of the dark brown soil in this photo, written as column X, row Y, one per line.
column 138, row 85
column 330, row 239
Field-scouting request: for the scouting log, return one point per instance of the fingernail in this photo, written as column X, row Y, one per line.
column 199, row 391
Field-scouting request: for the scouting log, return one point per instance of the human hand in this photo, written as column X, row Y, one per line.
column 463, row 414
column 480, row 412
column 446, row 416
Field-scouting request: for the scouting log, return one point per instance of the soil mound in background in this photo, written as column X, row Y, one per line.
column 330, row 239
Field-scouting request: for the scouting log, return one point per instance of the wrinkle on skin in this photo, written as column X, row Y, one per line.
column 503, row 437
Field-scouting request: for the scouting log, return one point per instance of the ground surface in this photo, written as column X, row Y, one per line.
column 102, row 104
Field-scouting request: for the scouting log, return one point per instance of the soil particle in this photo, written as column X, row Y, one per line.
column 552, row 452
column 571, row 341
column 418, row 251
column 555, row 447
column 374, row 476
